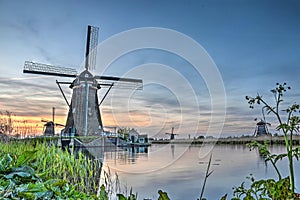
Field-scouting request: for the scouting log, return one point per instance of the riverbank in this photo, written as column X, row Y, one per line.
column 230, row 140
column 95, row 140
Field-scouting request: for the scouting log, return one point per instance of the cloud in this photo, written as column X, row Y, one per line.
column 31, row 97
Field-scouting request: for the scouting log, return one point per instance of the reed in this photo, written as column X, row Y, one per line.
column 54, row 163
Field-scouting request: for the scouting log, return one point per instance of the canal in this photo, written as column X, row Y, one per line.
column 179, row 169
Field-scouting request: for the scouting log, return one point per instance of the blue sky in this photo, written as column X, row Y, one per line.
column 254, row 44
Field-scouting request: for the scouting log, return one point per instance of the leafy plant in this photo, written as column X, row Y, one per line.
column 102, row 193
column 288, row 127
column 51, row 162
column 264, row 190
column 267, row 155
column 19, row 180
column 283, row 188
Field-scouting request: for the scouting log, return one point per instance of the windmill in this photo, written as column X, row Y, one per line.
column 49, row 127
column 262, row 126
column 172, row 134
column 84, row 115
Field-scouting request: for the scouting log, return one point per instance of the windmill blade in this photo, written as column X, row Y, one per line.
column 91, row 47
column 44, row 120
column 38, row 68
column 57, row 124
column 122, row 83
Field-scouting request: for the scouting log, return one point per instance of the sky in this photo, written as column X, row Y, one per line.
column 248, row 45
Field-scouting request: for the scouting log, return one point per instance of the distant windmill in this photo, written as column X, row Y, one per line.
column 262, row 126
column 84, row 114
column 172, row 134
column 49, row 126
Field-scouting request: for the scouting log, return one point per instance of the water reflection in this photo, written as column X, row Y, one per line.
column 125, row 155
column 173, row 150
column 177, row 169
column 135, row 150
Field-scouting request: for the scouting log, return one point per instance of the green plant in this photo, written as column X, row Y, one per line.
column 102, row 193
column 264, row 190
column 130, row 197
column 163, row 195
column 267, row 155
column 53, row 163
column 289, row 123
column 19, row 180
column 288, row 127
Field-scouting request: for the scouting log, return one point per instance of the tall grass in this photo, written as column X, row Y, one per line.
column 54, row 163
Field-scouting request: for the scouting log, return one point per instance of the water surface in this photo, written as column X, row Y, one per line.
column 179, row 169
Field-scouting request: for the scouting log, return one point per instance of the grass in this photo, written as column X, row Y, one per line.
column 54, row 163
column 37, row 169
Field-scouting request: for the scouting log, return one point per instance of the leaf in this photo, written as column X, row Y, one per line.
column 5, row 162
column 163, row 195
column 26, row 195
column 24, row 168
column 224, row 197
column 26, row 157
column 103, row 193
column 131, row 197
column 280, row 157
column 121, row 197
column 44, row 195
column 25, row 172
column 56, row 182
column 20, row 174
column 36, row 187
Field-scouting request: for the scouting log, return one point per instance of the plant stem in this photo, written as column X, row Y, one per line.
column 291, row 165
column 288, row 142
column 206, row 176
column 277, row 170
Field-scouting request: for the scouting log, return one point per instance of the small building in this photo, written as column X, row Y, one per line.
column 135, row 137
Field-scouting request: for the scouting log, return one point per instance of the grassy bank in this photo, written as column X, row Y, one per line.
column 230, row 140
column 51, row 163
column 38, row 169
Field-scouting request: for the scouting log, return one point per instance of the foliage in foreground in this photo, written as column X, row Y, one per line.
column 19, row 180
column 289, row 121
column 264, row 189
column 51, row 162
column 26, row 170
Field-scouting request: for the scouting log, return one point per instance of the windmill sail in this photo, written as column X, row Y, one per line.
column 118, row 82
column 43, row 69
column 91, row 47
